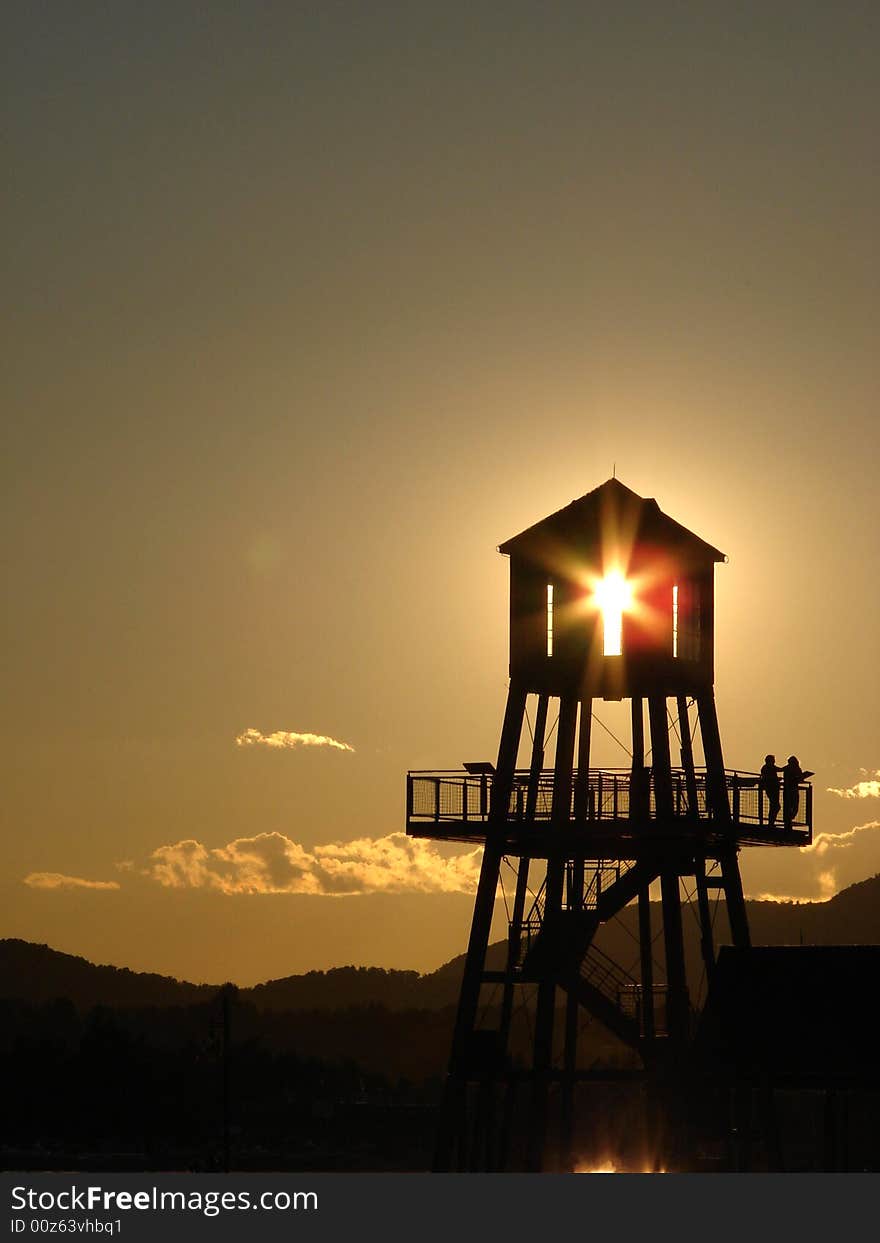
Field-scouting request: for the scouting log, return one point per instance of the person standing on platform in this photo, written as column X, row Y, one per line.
column 792, row 776
column 769, row 783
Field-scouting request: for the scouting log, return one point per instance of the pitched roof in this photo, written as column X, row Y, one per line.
column 586, row 514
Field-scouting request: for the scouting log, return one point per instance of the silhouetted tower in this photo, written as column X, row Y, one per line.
column 610, row 599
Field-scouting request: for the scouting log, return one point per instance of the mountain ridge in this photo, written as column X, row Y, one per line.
column 30, row 971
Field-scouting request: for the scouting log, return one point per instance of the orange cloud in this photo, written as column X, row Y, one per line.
column 823, row 842
column 283, row 738
column 273, row 863
column 818, row 871
column 57, row 880
column 862, row 789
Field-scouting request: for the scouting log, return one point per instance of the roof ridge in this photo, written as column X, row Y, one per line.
column 617, row 489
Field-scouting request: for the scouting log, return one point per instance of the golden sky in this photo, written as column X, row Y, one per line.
column 312, row 306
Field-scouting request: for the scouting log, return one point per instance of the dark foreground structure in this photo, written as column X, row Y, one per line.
column 786, row 1050
column 610, row 599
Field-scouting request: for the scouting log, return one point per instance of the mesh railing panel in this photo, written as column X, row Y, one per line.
column 609, row 796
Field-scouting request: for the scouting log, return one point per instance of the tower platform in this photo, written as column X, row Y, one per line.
column 609, row 817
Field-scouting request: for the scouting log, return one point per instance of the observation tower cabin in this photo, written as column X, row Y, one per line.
column 613, row 598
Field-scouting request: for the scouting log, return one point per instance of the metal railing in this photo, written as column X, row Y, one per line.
column 632, row 1001
column 646, row 1008
column 597, row 880
column 605, row 975
column 626, row 993
column 608, row 795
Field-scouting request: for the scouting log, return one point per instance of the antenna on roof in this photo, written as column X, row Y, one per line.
column 614, row 471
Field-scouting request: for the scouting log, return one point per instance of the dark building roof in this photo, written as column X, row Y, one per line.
column 585, row 519
column 797, row 1011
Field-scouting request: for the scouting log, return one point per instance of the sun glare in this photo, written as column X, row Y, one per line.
column 606, row 1167
column 614, row 596
column 610, row 1166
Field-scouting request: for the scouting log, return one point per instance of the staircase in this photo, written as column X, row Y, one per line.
column 565, row 943
column 600, row 986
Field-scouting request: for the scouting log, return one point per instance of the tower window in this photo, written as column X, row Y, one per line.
column 614, row 597
column 686, row 621
column 549, row 619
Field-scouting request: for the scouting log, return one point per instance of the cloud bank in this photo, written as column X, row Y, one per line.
column 830, row 863
column 862, row 789
column 283, row 738
column 57, row 880
column 271, row 863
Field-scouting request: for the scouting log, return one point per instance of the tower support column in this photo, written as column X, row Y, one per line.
column 553, row 892
column 455, row 1089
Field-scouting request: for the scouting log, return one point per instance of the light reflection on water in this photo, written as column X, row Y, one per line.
column 608, row 1166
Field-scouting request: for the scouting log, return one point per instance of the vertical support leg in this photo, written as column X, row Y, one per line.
column 514, row 940
column 639, row 792
column 572, row 1018
column 639, row 807
column 716, row 784
column 514, row 946
column 720, row 807
column 543, row 1052
column 733, row 893
column 575, row 901
column 638, row 732
column 676, row 979
column 660, row 762
column 582, row 780
column 677, row 1007
column 522, row 879
column 687, row 757
column 647, row 964
column 452, row 1107
column 581, row 789
column 544, row 1013
column 707, row 944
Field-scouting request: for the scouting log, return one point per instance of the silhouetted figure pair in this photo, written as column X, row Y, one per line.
column 792, row 776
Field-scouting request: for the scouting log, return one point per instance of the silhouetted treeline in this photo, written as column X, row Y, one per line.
column 144, row 1088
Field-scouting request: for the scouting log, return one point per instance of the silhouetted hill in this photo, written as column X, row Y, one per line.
column 851, row 917
column 37, row 973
